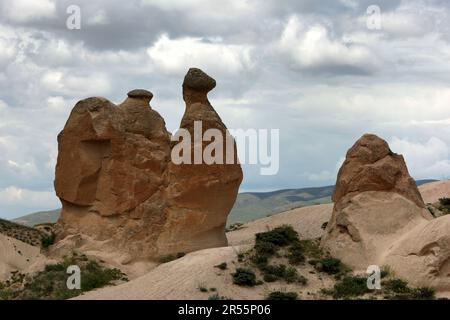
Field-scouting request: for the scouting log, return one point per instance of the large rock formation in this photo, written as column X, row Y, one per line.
column 379, row 218
column 118, row 185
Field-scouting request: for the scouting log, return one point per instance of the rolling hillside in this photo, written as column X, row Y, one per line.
column 249, row 205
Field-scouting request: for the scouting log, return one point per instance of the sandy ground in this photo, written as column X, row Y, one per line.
column 307, row 221
column 432, row 192
column 17, row 255
column 181, row 279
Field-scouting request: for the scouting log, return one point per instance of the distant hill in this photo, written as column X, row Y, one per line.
column 254, row 205
column 40, row 217
column 249, row 205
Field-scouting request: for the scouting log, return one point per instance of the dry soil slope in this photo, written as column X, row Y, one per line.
column 16, row 255
column 432, row 192
column 181, row 279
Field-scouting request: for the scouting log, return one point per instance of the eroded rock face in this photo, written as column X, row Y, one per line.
column 370, row 165
column 379, row 218
column 117, row 183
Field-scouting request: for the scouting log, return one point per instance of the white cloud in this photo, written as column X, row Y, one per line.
column 177, row 55
column 28, row 10
column 99, row 18
column 18, row 201
column 430, row 159
column 312, row 48
column 60, row 82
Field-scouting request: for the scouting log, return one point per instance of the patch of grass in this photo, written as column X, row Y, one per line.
column 398, row 289
column 396, row 286
column 302, row 280
column 50, row 284
column 244, row 277
column 330, row 265
column 349, row 287
column 171, row 257
column 216, row 296
column 47, row 240
column 270, row 278
column 222, row 266
column 444, row 205
column 202, row 288
column 279, row 236
column 296, row 255
column 280, row 295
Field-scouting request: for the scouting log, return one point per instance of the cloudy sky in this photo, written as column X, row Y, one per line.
column 313, row 69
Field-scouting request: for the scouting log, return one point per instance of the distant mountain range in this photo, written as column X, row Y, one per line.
column 249, row 205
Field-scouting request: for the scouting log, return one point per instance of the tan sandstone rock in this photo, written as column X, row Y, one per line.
column 379, row 218
column 117, row 184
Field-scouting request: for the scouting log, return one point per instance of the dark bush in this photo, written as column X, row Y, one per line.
column 397, row 286
column 47, row 240
column 330, row 265
column 350, row 287
column 296, row 255
column 424, row 293
column 222, row 266
column 444, row 202
column 244, row 277
column 279, row 295
column 280, row 236
column 270, row 277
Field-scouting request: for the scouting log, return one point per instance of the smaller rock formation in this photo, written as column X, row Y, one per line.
column 379, row 218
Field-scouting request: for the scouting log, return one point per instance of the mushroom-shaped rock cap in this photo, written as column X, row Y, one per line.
column 140, row 94
column 197, row 80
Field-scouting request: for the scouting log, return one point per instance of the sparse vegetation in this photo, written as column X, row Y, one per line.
column 216, row 296
column 393, row 289
column 171, row 257
column 444, row 205
column 349, row 287
column 222, row 266
column 50, row 284
column 234, row 226
column 244, row 277
column 280, row 295
column 47, row 240
column 330, row 265
column 202, row 288
column 398, row 289
column 22, row 233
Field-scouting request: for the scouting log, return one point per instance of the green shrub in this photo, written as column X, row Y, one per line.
column 424, row 293
column 302, row 280
column 352, row 286
column 396, row 286
column 244, row 277
column 398, row 289
column 51, row 283
column 216, row 296
column 296, row 255
column 222, row 266
column 265, row 248
column 270, row 277
column 279, row 295
column 202, row 288
column 330, row 265
column 47, row 240
column 444, row 202
column 290, row 275
column 280, row 236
